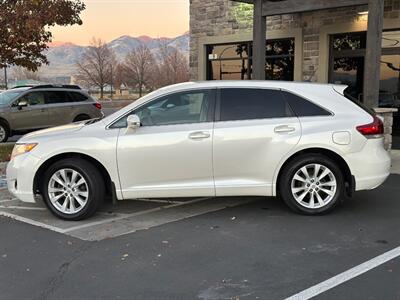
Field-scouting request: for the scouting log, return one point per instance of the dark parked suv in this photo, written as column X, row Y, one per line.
column 26, row 109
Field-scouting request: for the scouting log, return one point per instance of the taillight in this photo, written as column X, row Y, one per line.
column 97, row 105
column 373, row 129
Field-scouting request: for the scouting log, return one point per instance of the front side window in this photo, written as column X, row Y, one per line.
column 55, row 97
column 250, row 104
column 33, row 98
column 8, row 96
column 179, row 108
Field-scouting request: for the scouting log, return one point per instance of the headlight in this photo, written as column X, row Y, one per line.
column 22, row 149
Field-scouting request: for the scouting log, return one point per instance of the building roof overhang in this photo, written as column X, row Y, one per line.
column 279, row 7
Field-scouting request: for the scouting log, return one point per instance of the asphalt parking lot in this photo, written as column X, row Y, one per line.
column 225, row 248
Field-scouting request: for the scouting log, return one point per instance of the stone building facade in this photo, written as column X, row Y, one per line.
column 327, row 45
column 225, row 20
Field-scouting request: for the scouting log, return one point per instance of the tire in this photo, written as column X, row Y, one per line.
column 81, row 118
column 299, row 193
column 78, row 201
column 4, row 131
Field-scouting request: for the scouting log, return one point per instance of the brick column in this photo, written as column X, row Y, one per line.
column 387, row 115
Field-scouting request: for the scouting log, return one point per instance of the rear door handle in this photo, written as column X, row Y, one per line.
column 199, row 135
column 284, row 129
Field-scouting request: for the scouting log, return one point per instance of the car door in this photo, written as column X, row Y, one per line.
column 254, row 129
column 59, row 107
column 32, row 116
column 170, row 155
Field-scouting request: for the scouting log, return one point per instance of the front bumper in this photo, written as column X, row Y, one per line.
column 20, row 176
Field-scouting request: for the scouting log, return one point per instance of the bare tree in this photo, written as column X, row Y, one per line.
column 21, row 73
column 119, row 76
column 96, row 66
column 173, row 67
column 138, row 67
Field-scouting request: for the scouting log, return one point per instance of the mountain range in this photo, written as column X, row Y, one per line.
column 63, row 56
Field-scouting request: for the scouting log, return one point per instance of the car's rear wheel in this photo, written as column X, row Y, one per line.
column 312, row 184
column 81, row 118
column 73, row 189
column 4, row 132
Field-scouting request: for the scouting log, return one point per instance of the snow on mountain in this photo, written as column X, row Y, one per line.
column 63, row 56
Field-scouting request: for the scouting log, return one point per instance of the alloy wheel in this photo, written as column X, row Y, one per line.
column 2, row 133
column 314, row 186
column 68, row 191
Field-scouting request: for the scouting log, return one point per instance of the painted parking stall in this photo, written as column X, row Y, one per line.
column 112, row 221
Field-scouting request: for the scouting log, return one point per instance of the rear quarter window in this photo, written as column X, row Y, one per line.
column 77, row 97
column 304, row 108
column 347, row 94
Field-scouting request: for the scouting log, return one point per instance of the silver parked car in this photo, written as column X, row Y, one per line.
column 27, row 109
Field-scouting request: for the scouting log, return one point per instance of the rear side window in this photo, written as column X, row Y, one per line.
column 77, row 97
column 304, row 108
column 348, row 94
column 249, row 104
column 54, row 97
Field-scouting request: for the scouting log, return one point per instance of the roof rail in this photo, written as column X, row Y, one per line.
column 62, row 86
column 22, row 86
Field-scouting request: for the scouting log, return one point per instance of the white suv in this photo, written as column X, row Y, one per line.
column 305, row 142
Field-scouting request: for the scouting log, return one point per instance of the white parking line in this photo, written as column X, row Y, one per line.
column 346, row 276
column 31, row 222
column 22, row 207
column 9, row 200
column 125, row 216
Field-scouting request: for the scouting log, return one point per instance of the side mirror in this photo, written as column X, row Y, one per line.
column 133, row 122
column 22, row 103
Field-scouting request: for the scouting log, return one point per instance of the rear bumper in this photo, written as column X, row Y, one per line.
column 371, row 166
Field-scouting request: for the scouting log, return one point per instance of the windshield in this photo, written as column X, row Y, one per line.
column 8, row 96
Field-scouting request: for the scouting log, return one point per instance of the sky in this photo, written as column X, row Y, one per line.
column 110, row 19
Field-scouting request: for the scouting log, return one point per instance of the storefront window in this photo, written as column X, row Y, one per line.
column 349, row 41
column 348, row 59
column 233, row 61
column 280, row 60
column 228, row 61
column 390, row 81
column 391, row 39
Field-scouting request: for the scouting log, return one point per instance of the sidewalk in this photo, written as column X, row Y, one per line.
column 395, row 161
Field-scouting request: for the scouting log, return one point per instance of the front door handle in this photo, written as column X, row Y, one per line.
column 199, row 135
column 284, row 129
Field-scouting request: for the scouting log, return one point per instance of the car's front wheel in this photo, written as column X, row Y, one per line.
column 312, row 184
column 73, row 189
column 4, row 132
